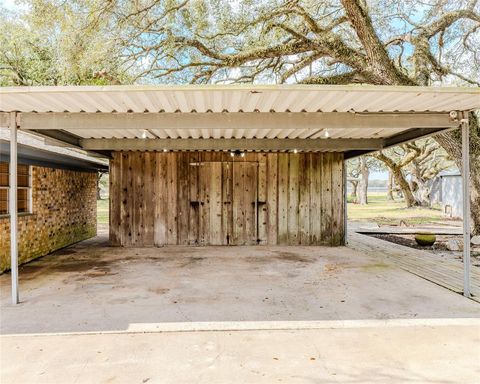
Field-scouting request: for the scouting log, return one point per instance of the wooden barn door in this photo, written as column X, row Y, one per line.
column 210, row 204
column 227, row 203
column 245, row 205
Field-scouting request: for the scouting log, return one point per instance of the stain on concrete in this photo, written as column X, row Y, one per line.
column 93, row 266
column 292, row 274
column 97, row 272
column 333, row 268
column 190, row 261
column 376, row 266
column 159, row 291
column 65, row 252
column 294, row 257
column 119, row 300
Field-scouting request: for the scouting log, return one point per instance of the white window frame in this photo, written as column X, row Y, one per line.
column 29, row 194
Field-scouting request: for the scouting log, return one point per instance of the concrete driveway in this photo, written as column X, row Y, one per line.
column 91, row 313
column 361, row 353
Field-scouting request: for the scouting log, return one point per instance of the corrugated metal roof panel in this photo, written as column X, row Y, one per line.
column 235, row 98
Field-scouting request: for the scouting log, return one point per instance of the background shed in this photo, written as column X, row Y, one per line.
column 451, row 192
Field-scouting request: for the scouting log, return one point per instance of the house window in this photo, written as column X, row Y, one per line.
column 23, row 189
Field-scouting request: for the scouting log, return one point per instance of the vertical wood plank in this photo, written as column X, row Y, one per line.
column 326, row 198
column 172, row 191
column 304, row 198
column 194, row 215
column 149, row 198
column 262, row 210
column 250, row 202
column 183, row 204
column 238, row 203
column 293, row 199
column 123, row 197
column 204, row 206
column 337, row 199
column 130, row 205
column 215, row 206
column 160, row 189
column 262, row 177
column 283, row 180
column 315, row 199
column 272, row 200
column 115, row 199
column 139, row 198
column 227, row 210
column 133, row 197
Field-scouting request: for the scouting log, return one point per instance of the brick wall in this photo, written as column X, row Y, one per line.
column 63, row 212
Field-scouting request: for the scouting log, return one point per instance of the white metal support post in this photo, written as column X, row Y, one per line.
column 12, row 204
column 466, row 203
column 345, row 212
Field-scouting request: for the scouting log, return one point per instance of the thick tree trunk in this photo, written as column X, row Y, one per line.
column 451, row 142
column 353, row 194
column 475, row 199
column 390, row 186
column 423, row 193
column 404, row 186
column 365, row 172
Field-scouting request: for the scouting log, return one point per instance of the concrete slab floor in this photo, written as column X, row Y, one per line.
column 93, row 287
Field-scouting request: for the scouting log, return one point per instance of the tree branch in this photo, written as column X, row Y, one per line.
column 377, row 56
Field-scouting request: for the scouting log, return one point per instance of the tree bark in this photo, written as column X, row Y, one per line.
column 353, row 194
column 475, row 200
column 390, row 186
column 365, row 172
column 398, row 177
column 404, row 186
column 451, row 142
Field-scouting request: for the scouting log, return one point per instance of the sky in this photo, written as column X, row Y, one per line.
column 11, row 5
column 378, row 175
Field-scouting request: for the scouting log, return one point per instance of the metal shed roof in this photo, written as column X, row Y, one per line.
column 32, row 150
column 32, row 155
column 238, row 112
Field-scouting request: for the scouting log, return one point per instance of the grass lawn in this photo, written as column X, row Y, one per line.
column 102, row 211
column 383, row 211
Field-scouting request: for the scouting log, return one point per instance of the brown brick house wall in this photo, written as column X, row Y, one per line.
column 63, row 213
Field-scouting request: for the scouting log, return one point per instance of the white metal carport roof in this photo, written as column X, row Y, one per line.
column 237, row 98
column 237, row 112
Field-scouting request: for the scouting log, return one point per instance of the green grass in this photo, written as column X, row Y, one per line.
column 385, row 212
column 102, row 211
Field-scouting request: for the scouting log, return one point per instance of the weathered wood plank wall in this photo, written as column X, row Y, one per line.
column 211, row 198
